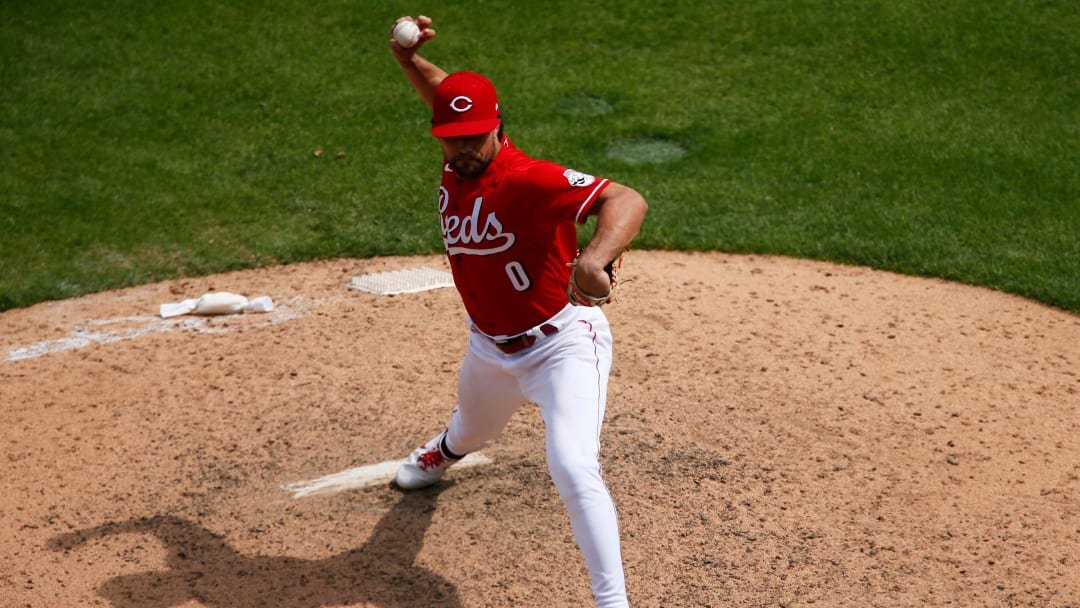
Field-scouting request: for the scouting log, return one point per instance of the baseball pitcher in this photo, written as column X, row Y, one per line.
column 536, row 330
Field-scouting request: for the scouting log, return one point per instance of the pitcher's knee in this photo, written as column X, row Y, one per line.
column 577, row 478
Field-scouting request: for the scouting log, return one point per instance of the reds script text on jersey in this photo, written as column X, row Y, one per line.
column 510, row 234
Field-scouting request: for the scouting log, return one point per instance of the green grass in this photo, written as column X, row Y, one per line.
column 144, row 141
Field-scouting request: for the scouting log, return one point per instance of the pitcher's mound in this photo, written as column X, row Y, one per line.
column 779, row 433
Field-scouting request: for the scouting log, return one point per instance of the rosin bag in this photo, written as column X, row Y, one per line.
column 218, row 303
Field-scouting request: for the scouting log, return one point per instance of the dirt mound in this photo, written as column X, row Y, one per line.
column 779, row 433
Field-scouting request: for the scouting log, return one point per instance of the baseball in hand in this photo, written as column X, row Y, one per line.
column 407, row 33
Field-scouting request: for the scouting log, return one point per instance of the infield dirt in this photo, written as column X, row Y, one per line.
column 779, row 433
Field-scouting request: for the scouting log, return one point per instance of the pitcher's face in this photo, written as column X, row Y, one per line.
column 470, row 155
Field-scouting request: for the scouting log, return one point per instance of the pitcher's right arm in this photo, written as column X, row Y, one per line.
column 424, row 75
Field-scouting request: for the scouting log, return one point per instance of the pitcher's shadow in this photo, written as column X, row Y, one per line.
column 203, row 567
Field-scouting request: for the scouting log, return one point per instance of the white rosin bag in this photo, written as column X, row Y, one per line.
column 217, row 303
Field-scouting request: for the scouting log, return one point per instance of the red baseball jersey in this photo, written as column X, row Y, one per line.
column 510, row 234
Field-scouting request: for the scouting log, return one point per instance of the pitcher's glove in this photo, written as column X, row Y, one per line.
column 579, row 297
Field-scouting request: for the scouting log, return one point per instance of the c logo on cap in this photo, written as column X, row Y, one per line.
column 461, row 104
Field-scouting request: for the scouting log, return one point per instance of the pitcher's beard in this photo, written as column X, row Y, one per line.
column 469, row 166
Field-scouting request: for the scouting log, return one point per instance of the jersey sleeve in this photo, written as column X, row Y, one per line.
column 559, row 194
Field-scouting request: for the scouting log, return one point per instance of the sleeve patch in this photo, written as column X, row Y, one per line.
column 578, row 179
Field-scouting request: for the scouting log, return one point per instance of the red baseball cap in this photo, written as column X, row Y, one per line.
column 465, row 104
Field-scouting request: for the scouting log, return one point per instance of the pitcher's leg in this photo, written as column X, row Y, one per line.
column 594, row 521
column 572, row 393
column 488, row 396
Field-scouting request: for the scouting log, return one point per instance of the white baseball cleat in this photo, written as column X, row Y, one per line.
column 425, row 466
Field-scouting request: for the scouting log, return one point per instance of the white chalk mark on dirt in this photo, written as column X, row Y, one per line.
column 107, row 331
column 364, row 477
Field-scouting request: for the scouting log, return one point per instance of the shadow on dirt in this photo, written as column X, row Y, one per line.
column 203, row 567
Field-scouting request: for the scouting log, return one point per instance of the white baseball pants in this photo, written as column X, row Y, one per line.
column 566, row 374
